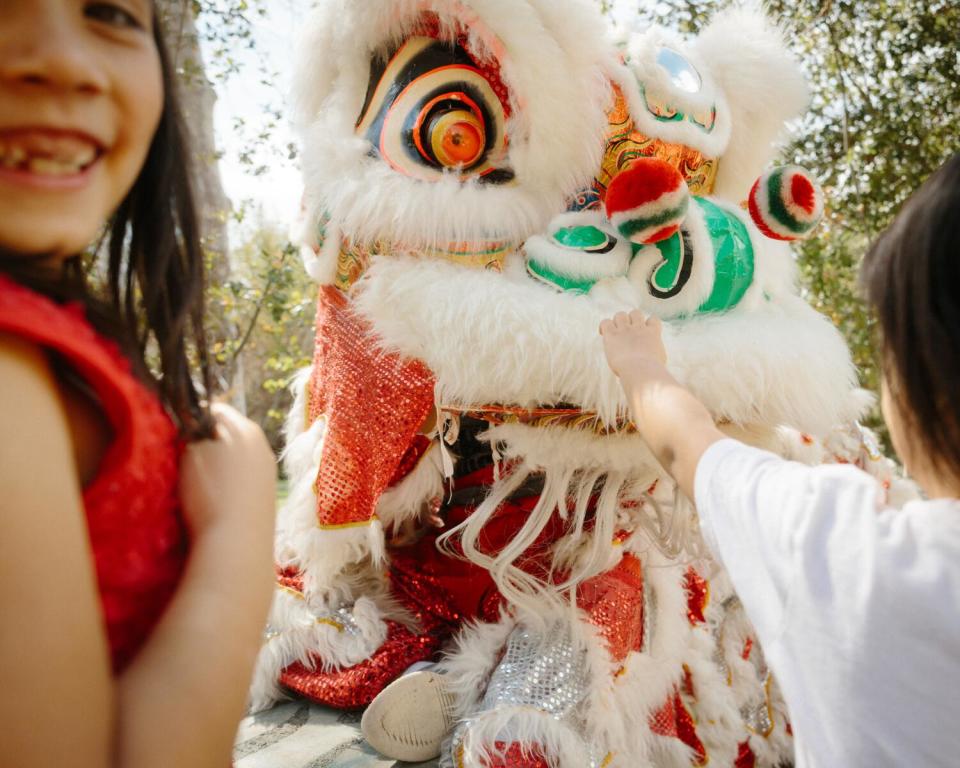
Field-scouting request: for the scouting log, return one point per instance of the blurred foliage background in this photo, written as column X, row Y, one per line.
column 885, row 112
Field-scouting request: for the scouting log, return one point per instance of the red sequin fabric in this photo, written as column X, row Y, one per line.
column 375, row 405
column 356, row 686
column 673, row 719
column 745, row 757
column 513, row 755
column 698, row 595
column 614, row 602
column 132, row 509
column 422, row 594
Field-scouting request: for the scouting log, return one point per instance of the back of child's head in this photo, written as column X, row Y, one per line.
column 912, row 280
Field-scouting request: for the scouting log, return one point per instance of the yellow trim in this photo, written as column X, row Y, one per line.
column 354, row 259
column 769, row 706
column 607, row 760
column 331, row 623
column 290, row 591
column 344, row 526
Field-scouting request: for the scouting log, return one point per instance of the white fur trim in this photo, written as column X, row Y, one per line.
column 577, row 264
column 719, row 698
column 769, row 362
column 527, row 726
column 764, row 87
column 302, row 439
column 570, row 262
column 619, row 708
column 569, row 450
column 333, row 562
column 468, row 663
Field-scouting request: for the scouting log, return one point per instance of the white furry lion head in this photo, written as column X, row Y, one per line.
column 466, row 127
column 438, row 121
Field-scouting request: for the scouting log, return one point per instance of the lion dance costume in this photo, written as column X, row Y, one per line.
column 486, row 180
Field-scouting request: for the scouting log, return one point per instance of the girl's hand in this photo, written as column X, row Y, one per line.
column 633, row 342
column 230, row 479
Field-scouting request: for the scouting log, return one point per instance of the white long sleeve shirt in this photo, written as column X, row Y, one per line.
column 857, row 607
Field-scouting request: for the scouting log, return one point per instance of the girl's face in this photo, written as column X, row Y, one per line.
column 81, row 94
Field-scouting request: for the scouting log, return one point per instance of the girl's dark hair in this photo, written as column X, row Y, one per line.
column 155, row 272
column 912, row 279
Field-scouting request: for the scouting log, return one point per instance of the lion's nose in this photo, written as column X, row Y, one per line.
column 647, row 201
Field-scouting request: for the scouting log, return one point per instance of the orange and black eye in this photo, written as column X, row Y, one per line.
column 451, row 132
column 431, row 111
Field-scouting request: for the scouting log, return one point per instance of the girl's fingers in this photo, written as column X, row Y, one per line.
column 635, row 319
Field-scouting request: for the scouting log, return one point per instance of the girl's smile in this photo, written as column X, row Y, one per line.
column 81, row 95
column 48, row 158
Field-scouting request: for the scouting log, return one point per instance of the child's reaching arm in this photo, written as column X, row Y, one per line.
column 660, row 405
column 762, row 516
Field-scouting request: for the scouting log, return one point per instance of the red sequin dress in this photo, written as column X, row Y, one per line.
column 136, row 531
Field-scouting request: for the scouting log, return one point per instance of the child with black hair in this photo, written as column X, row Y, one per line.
column 855, row 605
column 136, row 554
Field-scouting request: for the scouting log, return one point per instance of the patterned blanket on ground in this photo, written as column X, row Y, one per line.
column 297, row 734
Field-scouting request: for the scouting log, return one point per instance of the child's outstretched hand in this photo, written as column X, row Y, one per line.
column 674, row 424
column 632, row 342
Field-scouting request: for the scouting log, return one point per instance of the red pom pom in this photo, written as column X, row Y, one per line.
column 786, row 203
column 648, row 201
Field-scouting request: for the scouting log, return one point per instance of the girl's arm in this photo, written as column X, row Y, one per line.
column 775, row 525
column 183, row 697
column 179, row 703
column 676, row 426
column 57, row 702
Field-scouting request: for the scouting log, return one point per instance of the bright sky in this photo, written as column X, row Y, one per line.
column 244, row 97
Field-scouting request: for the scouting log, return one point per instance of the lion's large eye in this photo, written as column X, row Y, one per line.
column 432, row 109
column 451, row 132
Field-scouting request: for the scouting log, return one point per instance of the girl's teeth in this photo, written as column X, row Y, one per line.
column 86, row 157
column 44, row 166
column 16, row 157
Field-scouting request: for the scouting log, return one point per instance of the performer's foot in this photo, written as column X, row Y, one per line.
column 410, row 718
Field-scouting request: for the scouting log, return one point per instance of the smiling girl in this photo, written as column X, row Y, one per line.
column 135, row 560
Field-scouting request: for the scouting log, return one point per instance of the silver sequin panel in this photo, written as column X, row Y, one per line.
column 545, row 673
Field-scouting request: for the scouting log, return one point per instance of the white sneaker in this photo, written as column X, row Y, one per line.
column 410, row 718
